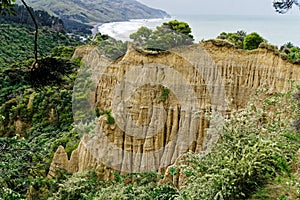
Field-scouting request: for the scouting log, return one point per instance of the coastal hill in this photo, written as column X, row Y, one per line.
column 75, row 12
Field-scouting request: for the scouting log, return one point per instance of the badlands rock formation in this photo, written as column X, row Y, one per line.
column 156, row 106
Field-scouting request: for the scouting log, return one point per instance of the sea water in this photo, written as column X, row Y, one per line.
column 122, row 30
column 276, row 29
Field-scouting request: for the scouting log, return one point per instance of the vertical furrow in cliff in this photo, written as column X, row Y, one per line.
column 184, row 127
column 170, row 148
column 137, row 156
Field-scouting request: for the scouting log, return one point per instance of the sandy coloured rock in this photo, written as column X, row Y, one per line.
column 160, row 103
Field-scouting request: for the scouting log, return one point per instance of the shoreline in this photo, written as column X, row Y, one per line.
column 97, row 25
column 122, row 29
column 96, row 28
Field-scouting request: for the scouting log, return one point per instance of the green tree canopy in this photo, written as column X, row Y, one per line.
column 236, row 38
column 109, row 46
column 142, row 35
column 169, row 35
column 179, row 27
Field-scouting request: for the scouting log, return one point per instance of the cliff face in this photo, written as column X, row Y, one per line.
column 165, row 104
column 243, row 72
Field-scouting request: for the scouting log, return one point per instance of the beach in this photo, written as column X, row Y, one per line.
column 122, row 30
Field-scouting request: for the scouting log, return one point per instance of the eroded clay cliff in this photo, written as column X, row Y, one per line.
column 165, row 104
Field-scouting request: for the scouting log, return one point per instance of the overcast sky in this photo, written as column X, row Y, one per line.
column 228, row 7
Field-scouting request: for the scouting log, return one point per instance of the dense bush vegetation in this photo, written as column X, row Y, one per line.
column 242, row 40
column 236, row 38
column 257, row 144
column 35, row 106
column 252, row 41
column 88, row 185
column 43, row 118
column 290, row 52
column 17, row 41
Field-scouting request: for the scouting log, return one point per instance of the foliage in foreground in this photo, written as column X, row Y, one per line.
column 256, row 145
column 88, row 185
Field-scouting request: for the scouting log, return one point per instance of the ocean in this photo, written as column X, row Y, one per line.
column 276, row 29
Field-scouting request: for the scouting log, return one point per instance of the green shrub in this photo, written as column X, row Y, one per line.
column 237, row 39
column 140, row 186
column 79, row 186
column 164, row 93
column 109, row 118
column 133, row 186
column 252, row 41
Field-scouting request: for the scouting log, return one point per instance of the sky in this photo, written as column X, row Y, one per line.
column 217, row 7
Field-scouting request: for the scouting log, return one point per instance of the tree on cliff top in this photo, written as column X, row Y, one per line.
column 283, row 6
column 179, row 27
column 171, row 34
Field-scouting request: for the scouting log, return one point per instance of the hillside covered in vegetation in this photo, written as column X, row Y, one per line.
column 78, row 14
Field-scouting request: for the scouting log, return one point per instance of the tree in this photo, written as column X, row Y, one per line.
column 171, row 34
column 236, row 38
column 141, row 36
column 109, row 46
column 283, row 6
column 179, row 27
column 252, row 41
